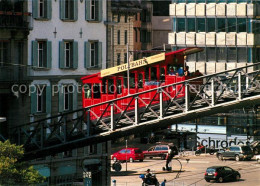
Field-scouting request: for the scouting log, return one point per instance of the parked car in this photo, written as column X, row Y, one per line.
column 129, row 154
column 236, row 152
column 256, row 147
column 257, row 158
column 157, row 151
column 221, row 174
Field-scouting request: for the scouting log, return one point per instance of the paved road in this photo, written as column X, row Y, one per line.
column 193, row 172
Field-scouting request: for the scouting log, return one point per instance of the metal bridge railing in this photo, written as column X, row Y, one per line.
column 125, row 113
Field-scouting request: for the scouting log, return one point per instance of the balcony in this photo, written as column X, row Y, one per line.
column 14, row 20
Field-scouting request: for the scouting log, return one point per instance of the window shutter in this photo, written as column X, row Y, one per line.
column 87, row 55
column 35, row 54
column 62, row 9
column 75, row 17
column 48, row 99
column 100, row 10
column 33, row 91
column 35, row 9
column 100, row 54
column 61, row 98
column 49, row 9
column 49, row 54
column 75, row 98
column 61, row 64
column 75, row 54
column 87, row 11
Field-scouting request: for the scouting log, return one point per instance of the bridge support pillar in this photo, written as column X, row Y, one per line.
column 137, row 117
column 187, row 97
column 112, row 117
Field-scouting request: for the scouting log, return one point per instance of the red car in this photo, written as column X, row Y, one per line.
column 129, row 154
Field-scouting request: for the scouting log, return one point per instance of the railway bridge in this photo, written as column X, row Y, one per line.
column 220, row 92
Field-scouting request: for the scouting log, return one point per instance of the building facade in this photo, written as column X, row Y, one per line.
column 228, row 30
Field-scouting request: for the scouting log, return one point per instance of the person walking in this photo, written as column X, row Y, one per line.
column 163, row 183
column 171, row 153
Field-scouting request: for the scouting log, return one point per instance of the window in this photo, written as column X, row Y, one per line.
column 211, row 25
column 147, row 74
column 69, row 10
column 93, row 149
column 118, row 59
column 42, row 9
column 118, row 37
column 41, row 99
column 41, row 54
column 162, row 74
column 126, row 17
column 257, row 54
column 68, row 54
column 104, row 86
column 231, row 27
column 94, row 10
column 181, row 25
column 132, row 80
column 191, row 24
column 125, row 36
column 221, row 53
column 87, row 91
column 241, row 25
column 241, row 54
column 68, row 93
column 119, row 86
column 125, row 57
column 140, row 80
column 221, row 25
column 96, row 91
column 202, row 56
column 153, row 74
column 201, row 25
column 211, row 53
column 93, row 54
column 111, row 87
column 136, row 34
column 3, row 53
column 118, row 18
column 232, row 54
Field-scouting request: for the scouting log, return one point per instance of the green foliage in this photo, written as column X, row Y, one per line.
column 13, row 172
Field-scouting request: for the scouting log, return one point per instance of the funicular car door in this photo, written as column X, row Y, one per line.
column 108, row 93
column 170, row 78
column 119, row 92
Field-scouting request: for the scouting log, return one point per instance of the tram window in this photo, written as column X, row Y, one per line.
column 96, row 91
column 104, row 86
column 140, row 80
column 132, row 80
column 119, row 86
column 162, row 74
column 111, row 87
column 147, row 74
column 125, row 79
column 153, row 74
column 87, row 90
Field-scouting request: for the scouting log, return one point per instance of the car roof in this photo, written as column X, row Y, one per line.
column 215, row 167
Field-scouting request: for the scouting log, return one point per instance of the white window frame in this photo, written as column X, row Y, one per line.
column 68, row 54
column 93, row 50
column 41, row 54
column 69, row 9
column 66, row 96
column 92, row 9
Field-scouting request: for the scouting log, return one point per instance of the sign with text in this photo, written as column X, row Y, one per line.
column 132, row 65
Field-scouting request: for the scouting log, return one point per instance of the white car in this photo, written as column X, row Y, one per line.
column 257, row 157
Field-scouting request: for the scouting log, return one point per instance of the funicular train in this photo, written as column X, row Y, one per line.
column 144, row 74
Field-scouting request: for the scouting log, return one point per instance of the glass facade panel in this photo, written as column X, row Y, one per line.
column 221, row 53
column 211, row 53
column 231, row 25
column 202, row 55
column 241, row 25
column 241, row 54
column 221, row 25
column 258, row 55
column 191, row 57
column 201, row 26
column 232, row 54
column 191, row 24
column 211, row 25
column 181, row 25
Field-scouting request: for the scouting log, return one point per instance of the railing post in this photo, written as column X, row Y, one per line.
column 137, row 117
column 161, row 103
column 239, row 86
column 112, row 117
column 213, row 94
column 187, row 97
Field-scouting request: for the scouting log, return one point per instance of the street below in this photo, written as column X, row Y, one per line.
column 192, row 171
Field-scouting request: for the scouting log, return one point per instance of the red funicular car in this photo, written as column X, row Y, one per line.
column 129, row 154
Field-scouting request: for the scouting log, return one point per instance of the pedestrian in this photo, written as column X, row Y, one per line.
column 163, row 183
column 171, row 153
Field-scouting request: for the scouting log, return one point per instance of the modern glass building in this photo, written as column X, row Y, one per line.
column 228, row 30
